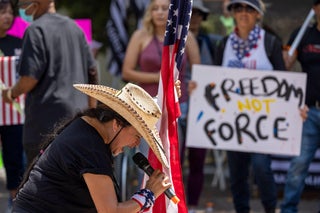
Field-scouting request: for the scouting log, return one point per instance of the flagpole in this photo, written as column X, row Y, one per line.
column 301, row 33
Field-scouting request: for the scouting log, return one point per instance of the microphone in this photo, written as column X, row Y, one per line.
column 142, row 162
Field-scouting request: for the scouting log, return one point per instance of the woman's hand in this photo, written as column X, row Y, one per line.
column 192, row 85
column 158, row 182
column 304, row 112
column 177, row 85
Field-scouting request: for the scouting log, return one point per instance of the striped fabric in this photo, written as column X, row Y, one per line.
column 117, row 35
column 172, row 55
column 8, row 75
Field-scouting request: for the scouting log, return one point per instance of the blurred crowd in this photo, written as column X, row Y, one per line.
column 54, row 54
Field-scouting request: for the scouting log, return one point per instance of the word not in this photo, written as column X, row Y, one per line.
column 255, row 104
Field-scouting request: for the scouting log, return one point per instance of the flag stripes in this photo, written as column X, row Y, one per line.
column 8, row 76
column 172, row 55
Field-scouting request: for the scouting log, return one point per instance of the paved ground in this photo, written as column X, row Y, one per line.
column 221, row 198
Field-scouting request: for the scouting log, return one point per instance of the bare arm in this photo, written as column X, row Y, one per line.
column 289, row 60
column 24, row 85
column 102, row 191
column 193, row 53
column 192, row 48
column 130, row 63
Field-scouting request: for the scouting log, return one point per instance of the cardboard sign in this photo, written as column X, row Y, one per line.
column 246, row 110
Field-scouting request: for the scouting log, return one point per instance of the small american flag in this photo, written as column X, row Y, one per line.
column 172, row 55
column 10, row 114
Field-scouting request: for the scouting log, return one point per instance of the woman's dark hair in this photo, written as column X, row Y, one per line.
column 13, row 5
column 4, row 3
column 102, row 112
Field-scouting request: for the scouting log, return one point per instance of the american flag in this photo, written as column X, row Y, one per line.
column 10, row 114
column 172, row 55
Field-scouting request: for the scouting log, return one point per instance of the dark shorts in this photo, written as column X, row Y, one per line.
column 12, row 154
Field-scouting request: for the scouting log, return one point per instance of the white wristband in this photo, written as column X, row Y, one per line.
column 9, row 94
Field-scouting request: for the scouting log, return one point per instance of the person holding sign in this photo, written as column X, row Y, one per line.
column 308, row 54
column 250, row 46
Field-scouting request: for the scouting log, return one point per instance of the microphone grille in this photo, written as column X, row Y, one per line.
column 140, row 160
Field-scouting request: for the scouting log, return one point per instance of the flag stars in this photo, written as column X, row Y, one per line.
column 182, row 51
column 185, row 38
column 174, row 30
column 170, row 22
column 187, row 26
column 175, row 13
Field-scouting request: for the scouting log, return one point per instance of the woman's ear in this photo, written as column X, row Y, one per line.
column 116, row 125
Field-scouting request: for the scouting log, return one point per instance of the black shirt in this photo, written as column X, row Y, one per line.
column 55, row 183
column 309, row 58
column 56, row 53
column 10, row 45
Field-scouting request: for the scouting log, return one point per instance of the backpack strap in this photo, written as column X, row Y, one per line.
column 269, row 41
column 219, row 50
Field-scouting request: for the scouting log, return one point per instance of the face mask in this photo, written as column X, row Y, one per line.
column 24, row 16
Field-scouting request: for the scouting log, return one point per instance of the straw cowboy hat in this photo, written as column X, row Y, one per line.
column 136, row 106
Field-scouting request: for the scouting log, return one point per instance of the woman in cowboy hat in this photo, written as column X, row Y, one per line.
column 250, row 46
column 74, row 172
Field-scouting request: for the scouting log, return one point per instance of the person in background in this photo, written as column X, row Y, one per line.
column 308, row 54
column 226, row 19
column 248, row 47
column 74, row 171
column 55, row 53
column 196, row 156
column 142, row 62
column 10, row 129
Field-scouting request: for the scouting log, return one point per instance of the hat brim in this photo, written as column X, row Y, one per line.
column 229, row 6
column 108, row 96
column 204, row 10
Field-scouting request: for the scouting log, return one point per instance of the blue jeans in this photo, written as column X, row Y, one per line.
column 299, row 166
column 239, row 164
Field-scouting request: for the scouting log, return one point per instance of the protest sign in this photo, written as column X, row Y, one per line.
column 246, row 110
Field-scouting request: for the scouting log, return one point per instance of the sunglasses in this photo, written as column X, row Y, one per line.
column 238, row 8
